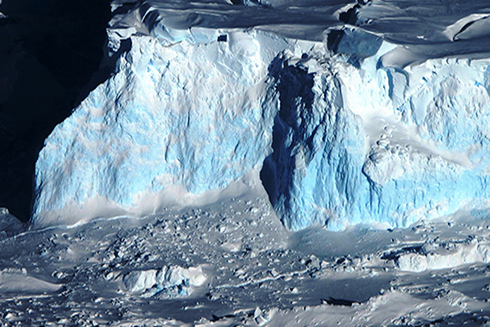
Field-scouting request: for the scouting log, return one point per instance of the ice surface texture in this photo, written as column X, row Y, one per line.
column 378, row 145
column 168, row 281
column 169, row 116
column 343, row 137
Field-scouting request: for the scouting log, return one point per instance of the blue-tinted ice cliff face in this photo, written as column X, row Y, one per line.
column 339, row 136
column 355, row 145
column 181, row 119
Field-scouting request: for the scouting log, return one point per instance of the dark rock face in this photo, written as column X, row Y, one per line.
column 49, row 54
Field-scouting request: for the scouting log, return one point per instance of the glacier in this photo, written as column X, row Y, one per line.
column 340, row 128
column 170, row 116
column 380, row 145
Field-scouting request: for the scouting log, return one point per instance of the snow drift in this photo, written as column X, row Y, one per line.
column 343, row 133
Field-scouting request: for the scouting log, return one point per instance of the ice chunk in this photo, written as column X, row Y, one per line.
column 170, row 281
column 448, row 255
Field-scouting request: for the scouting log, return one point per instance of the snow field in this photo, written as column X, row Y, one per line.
column 232, row 262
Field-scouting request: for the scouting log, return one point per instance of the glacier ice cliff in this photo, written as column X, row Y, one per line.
column 340, row 132
column 385, row 145
column 190, row 116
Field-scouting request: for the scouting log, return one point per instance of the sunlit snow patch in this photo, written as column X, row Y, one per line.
column 19, row 281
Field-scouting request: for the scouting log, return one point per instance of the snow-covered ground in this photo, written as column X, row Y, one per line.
column 234, row 264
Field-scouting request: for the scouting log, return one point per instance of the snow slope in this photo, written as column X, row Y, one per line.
column 205, row 95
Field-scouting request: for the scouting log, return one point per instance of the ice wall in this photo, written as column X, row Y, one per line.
column 184, row 119
column 315, row 170
column 355, row 142
column 342, row 135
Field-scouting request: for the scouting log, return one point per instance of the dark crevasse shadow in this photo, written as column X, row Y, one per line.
column 50, row 52
column 294, row 86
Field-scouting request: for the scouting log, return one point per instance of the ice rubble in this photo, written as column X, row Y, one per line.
column 448, row 256
column 343, row 136
column 168, row 281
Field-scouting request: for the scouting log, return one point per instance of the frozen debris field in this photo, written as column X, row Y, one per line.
column 234, row 264
column 267, row 163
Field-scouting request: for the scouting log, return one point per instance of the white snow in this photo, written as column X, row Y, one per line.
column 454, row 31
column 18, row 281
